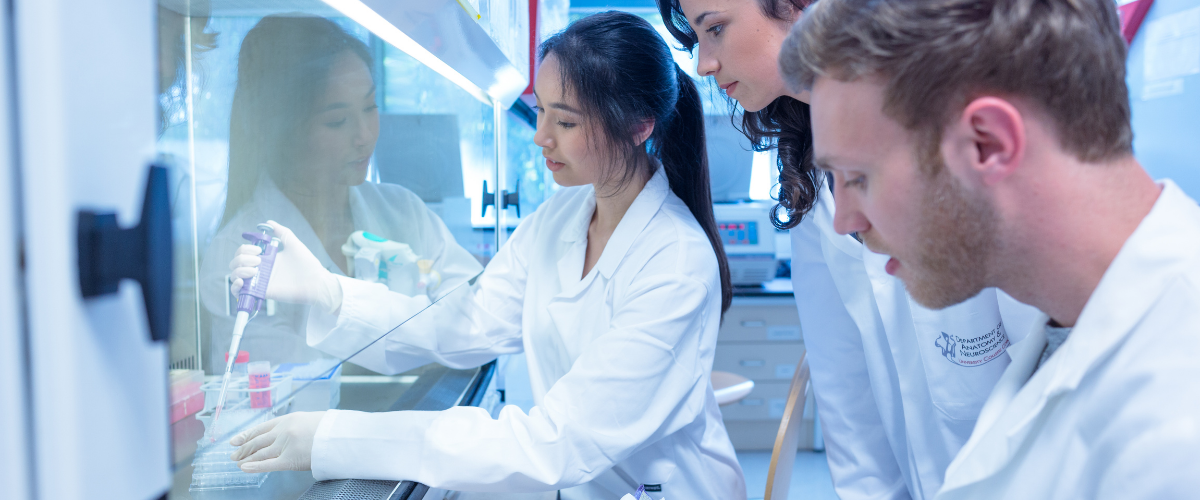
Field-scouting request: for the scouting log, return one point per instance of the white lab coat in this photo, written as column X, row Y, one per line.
column 865, row 336
column 1115, row 411
column 388, row 210
column 619, row 363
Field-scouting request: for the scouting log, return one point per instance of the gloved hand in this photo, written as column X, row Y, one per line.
column 284, row 443
column 298, row 277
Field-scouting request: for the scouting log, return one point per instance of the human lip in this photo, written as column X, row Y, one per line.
column 361, row 162
column 728, row 87
column 554, row 166
column 892, row 266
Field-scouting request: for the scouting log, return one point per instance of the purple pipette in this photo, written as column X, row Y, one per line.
column 250, row 301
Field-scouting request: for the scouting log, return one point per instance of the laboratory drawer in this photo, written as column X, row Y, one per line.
column 763, row 361
column 757, row 319
column 766, row 402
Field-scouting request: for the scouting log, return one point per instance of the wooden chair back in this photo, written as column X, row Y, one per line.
column 779, row 476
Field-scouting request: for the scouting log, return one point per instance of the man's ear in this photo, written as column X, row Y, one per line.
column 989, row 138
column 643, row 131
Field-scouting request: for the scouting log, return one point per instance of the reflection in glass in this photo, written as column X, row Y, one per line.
column 303, row 127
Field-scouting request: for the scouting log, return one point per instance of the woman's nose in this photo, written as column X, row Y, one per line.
column 706, row 62
column 363, row 132
column 542, row 138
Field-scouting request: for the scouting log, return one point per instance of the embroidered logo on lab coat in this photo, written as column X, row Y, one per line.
column 973, row 351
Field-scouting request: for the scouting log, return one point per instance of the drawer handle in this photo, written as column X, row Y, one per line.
column 756, row 323
column 752, row 362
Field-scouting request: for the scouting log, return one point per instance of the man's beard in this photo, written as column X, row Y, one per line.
column 956, row 235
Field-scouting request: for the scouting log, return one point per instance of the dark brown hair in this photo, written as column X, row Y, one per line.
column 782, row 124
column 1066, row 57
column 283, row 67
column 621, row 72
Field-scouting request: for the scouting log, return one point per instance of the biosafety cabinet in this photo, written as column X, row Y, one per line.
column 146, row 142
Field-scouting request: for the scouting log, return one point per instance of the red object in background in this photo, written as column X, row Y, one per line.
column 533, row 45
column 1132, row 13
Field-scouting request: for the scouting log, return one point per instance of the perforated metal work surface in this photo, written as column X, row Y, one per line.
column 351, row 489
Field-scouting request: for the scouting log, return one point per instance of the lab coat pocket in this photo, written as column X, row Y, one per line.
column 964, row 352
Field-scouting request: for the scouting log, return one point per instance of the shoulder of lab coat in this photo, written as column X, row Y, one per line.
column 1114, row 413
column 861, row 459
column 641, row 380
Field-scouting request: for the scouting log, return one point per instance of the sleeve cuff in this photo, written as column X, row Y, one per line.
column 359, row 445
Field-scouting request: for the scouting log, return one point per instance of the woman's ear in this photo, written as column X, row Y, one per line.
column 643, row 131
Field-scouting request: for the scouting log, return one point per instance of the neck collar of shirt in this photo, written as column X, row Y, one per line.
column 635, row 220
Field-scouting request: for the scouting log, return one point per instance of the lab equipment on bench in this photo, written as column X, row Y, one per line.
column 318, row 384
column 250, row 300
column 186, row 396
column 374, row 259
column 212, row 469
column 746, row 231
column 260, row 378
column 239, row 395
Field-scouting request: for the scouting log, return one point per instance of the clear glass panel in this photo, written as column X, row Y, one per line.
column 285, row 110
column 526, row 171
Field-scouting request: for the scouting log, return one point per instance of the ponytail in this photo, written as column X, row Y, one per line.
column 682, row 150
column 621, row 72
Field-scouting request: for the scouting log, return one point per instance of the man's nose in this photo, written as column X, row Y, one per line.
column 847, row 215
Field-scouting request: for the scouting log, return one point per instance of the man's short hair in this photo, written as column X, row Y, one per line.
column 1066, row 57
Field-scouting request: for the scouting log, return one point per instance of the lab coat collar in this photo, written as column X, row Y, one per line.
column 635, row 220
column 1147, row 262
column 647, row 203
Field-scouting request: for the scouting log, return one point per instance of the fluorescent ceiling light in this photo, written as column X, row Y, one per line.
column 376, row 24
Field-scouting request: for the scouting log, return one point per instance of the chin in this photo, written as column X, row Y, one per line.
column 565, row 179
column 940, row 292
column 354, row 177
column 754, row 103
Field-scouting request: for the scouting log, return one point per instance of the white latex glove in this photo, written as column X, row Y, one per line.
column 297, row 278
column 284, row 443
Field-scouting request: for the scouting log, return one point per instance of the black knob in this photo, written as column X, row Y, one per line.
column 143, row 253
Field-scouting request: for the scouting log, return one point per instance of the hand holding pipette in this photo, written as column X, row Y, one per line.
column 299, row 277
column 252, row 295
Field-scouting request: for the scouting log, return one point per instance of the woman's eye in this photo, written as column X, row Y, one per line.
column 538, row 109
column 371, row 108
column 335, row 124
column 716, row 29
column 859, row 181
column 566, row 124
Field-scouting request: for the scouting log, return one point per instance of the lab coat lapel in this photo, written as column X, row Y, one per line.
column 574, row 237
column 635, row 220
column 570, row 265
column 983, row 454
column 1124, row 295
column 579, row 310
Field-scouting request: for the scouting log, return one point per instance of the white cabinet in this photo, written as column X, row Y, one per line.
column 760, row 340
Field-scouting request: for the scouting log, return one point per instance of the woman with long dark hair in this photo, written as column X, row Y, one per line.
column 303, row 127
column 614, row 289
column 862, row 332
